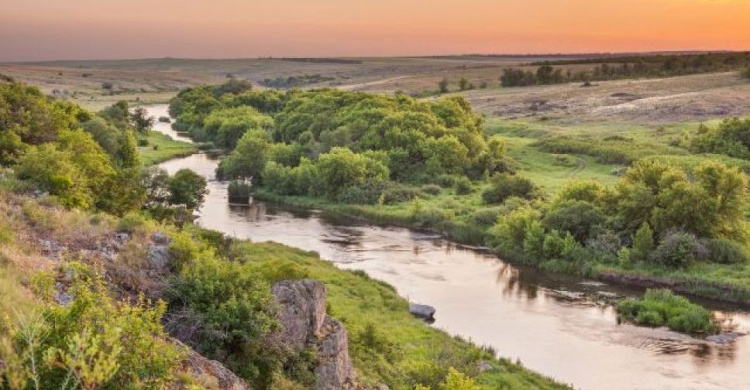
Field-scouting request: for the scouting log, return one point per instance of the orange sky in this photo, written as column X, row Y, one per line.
column 92, row 29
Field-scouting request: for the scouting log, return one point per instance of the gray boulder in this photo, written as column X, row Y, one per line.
column 158, row 257
column 422, row 311
column 160, row 238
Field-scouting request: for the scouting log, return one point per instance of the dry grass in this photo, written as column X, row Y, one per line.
column 644, row 101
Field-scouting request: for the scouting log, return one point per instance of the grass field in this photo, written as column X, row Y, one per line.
column 161, row 148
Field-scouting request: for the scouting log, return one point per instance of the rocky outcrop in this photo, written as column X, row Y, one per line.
column 302, row 311
column 209, row 374
column 304, row 322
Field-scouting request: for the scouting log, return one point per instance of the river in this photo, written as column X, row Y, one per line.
column 525, row 314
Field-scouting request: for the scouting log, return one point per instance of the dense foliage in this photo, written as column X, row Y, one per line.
column 657, row 214
column 342, row 145
column 88, row 161
column 662, row 307
column 94, row 342
column 731, row 137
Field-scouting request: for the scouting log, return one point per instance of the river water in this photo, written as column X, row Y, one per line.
column 525, row 314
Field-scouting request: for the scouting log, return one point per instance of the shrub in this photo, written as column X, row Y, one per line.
column 230, row 310
column 132, row 223
column 643, row 243
column 579, row 218
column 726, row 251
column 485, row 217
column 662, row 307
column 510, row 231
column 463, row 186
column 678, row 249
column 504, row 185
column 445, row 181
column 239, row 192
column 556, row 246
column 430, row 189
column 94, row 340
column 606, row 246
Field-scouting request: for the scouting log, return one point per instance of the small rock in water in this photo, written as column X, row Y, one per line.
column 724, row 338
column 422, row 311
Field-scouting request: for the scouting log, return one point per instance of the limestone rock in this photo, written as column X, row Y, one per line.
column 304, row 323
column 334, row 370
column 302, row 310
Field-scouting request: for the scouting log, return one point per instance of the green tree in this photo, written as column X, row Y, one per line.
column 141, row 120
column 187, row 188
column 463, row 84
column 443, row 86
column 643, row 243
column 248, row 159
column 342, row 168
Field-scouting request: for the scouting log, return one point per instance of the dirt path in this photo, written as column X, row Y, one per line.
column 354, row 87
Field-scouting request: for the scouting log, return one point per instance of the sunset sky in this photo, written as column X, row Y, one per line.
column 103, row 29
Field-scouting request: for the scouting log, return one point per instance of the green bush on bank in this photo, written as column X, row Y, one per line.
column 662, row 307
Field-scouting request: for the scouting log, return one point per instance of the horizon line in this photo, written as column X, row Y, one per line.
column 506, row 55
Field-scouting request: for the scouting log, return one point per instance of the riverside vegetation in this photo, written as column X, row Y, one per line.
column 432, row 165
column 87, row 301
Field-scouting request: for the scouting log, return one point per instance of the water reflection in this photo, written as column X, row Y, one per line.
column 525, row 314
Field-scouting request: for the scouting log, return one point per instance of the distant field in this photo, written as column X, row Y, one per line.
column 655, row 111
column 694, row 98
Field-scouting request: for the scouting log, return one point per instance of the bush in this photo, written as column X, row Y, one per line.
column 445, row 181
column 463, row 186
column 662, row 307
column 580, row 218
column 485, row 217
column 142, row 142
column 504, row 185
column 230, row 310
column 556, row 246
column 724, row 251
column 678, row 249
column 239, row 192
column 132, row 223
column 431, row 189
column 643, row 243
column 99, row 342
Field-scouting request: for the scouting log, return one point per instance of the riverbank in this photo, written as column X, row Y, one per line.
column 723, row 283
